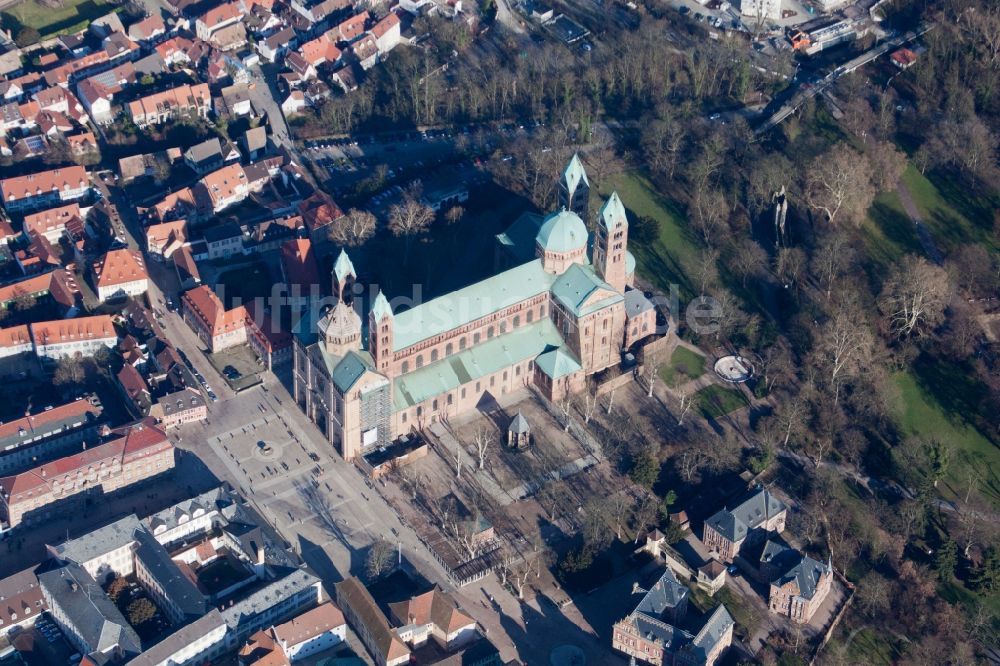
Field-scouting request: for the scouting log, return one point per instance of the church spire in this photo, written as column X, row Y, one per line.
column 574, row 187
column 343, row 276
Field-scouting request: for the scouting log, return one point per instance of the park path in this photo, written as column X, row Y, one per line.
column 923, row 234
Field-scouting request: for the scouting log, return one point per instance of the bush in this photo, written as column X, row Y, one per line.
column 117, row 590
column 27, row 36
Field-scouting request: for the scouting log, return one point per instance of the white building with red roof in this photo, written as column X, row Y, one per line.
column 121, row 273
column 67, row 338
column 41, row 190
column 207, row 316
column 141, row 451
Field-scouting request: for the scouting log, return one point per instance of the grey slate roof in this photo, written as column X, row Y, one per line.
column 267, row 597
column 223, row 231
column 101, row 541
column 175, row 585
column 90, row 613
column 747, row 513
column 713, row 631
column 806, row 573
column 519, row 424
column 204, row 151
column 216, row 499
column 666, row 594
column 162, row 651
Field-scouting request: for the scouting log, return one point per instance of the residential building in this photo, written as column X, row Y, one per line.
column 42, row 190
column 798, row 583
column 52, row 431
column 217, row 327
column 315, row 630
column 64, row 338
column 139, row 452
column 750, row 520
column 217, row 18
column 59, row 285
column 88, row 618
column 53, row 222
column 658, row 631
column 387, row 33
column 549, row 322
column 163, row 239
column 121, row 273
column 432, row 613
column 224, row 240
column 162, row 106
column 205, row 156
column 200, row 642
column 21, row 601
column 362, row 613
column 184, row 406
column 226, row 186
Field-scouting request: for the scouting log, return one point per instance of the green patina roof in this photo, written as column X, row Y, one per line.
column 343, row 266
column 477, row 361
column 562, row 232
column 381, row 308
column 558, row 363
column 574, row 173
column 468, row 304
column 349, row 370
column 577, row 284
column 613, row 213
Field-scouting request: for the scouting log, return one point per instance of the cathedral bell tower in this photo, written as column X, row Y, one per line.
column 610, row 243
column 380, row 323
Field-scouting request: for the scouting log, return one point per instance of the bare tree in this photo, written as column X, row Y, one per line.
column 589, row 402
column 354, row 228
column 831, row 260
column 621, row 502
column 409, row 218
column 845, row 346
column 651, row 368
column 685, row 407
column 839, row 185
column 484, row 440
column 711, row 210
column 915, row 296
column 454, row 215
column 379, row 559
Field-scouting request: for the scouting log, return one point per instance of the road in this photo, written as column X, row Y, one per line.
column 809, row 90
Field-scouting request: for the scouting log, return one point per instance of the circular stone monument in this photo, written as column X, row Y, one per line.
column 734, row 369
column 567, row 655
column 265, row 450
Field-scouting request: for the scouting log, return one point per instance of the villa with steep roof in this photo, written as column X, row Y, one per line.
column 549, row 322
column 658, row 631
column 747, row 522
column 799, row 584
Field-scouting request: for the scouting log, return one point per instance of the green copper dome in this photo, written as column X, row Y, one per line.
column 562, row 232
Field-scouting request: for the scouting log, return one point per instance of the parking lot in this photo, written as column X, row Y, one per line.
column 238, row 366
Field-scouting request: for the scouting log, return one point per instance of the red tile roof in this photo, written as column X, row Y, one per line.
column 51, row 219
column 120, row 267
column 72, row 330
column 23, row 187
column 299, row 262
column 136, row 441
column 310, row 624
column 14, row 336
column 206, row 306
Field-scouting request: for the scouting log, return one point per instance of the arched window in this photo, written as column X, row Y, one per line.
column 541, row 311
column 420, row 361
column 530, row 317
column 448, row 349
column 450, row 400
column 489, row 332
column 406, row 367
column 434, row 355
column 517, row 320
column 475, row 339
column 434, row 405
column 420, row 412
column 461, row 343
column 503, row 327
column 463, row 393
column 505, row 375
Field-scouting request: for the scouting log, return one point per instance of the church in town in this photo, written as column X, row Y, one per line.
column 564, row 310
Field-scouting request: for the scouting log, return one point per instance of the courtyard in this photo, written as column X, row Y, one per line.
column 239, row 366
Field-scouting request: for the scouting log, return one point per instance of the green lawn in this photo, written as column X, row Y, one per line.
column 871, row 647
column 684, row 365
column 670, row 257
column 953, row 216
column 715, row 401
column 888, row 233
column 929, row 403
column 72, row 16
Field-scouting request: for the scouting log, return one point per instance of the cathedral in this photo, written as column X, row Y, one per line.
column 550, row 320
